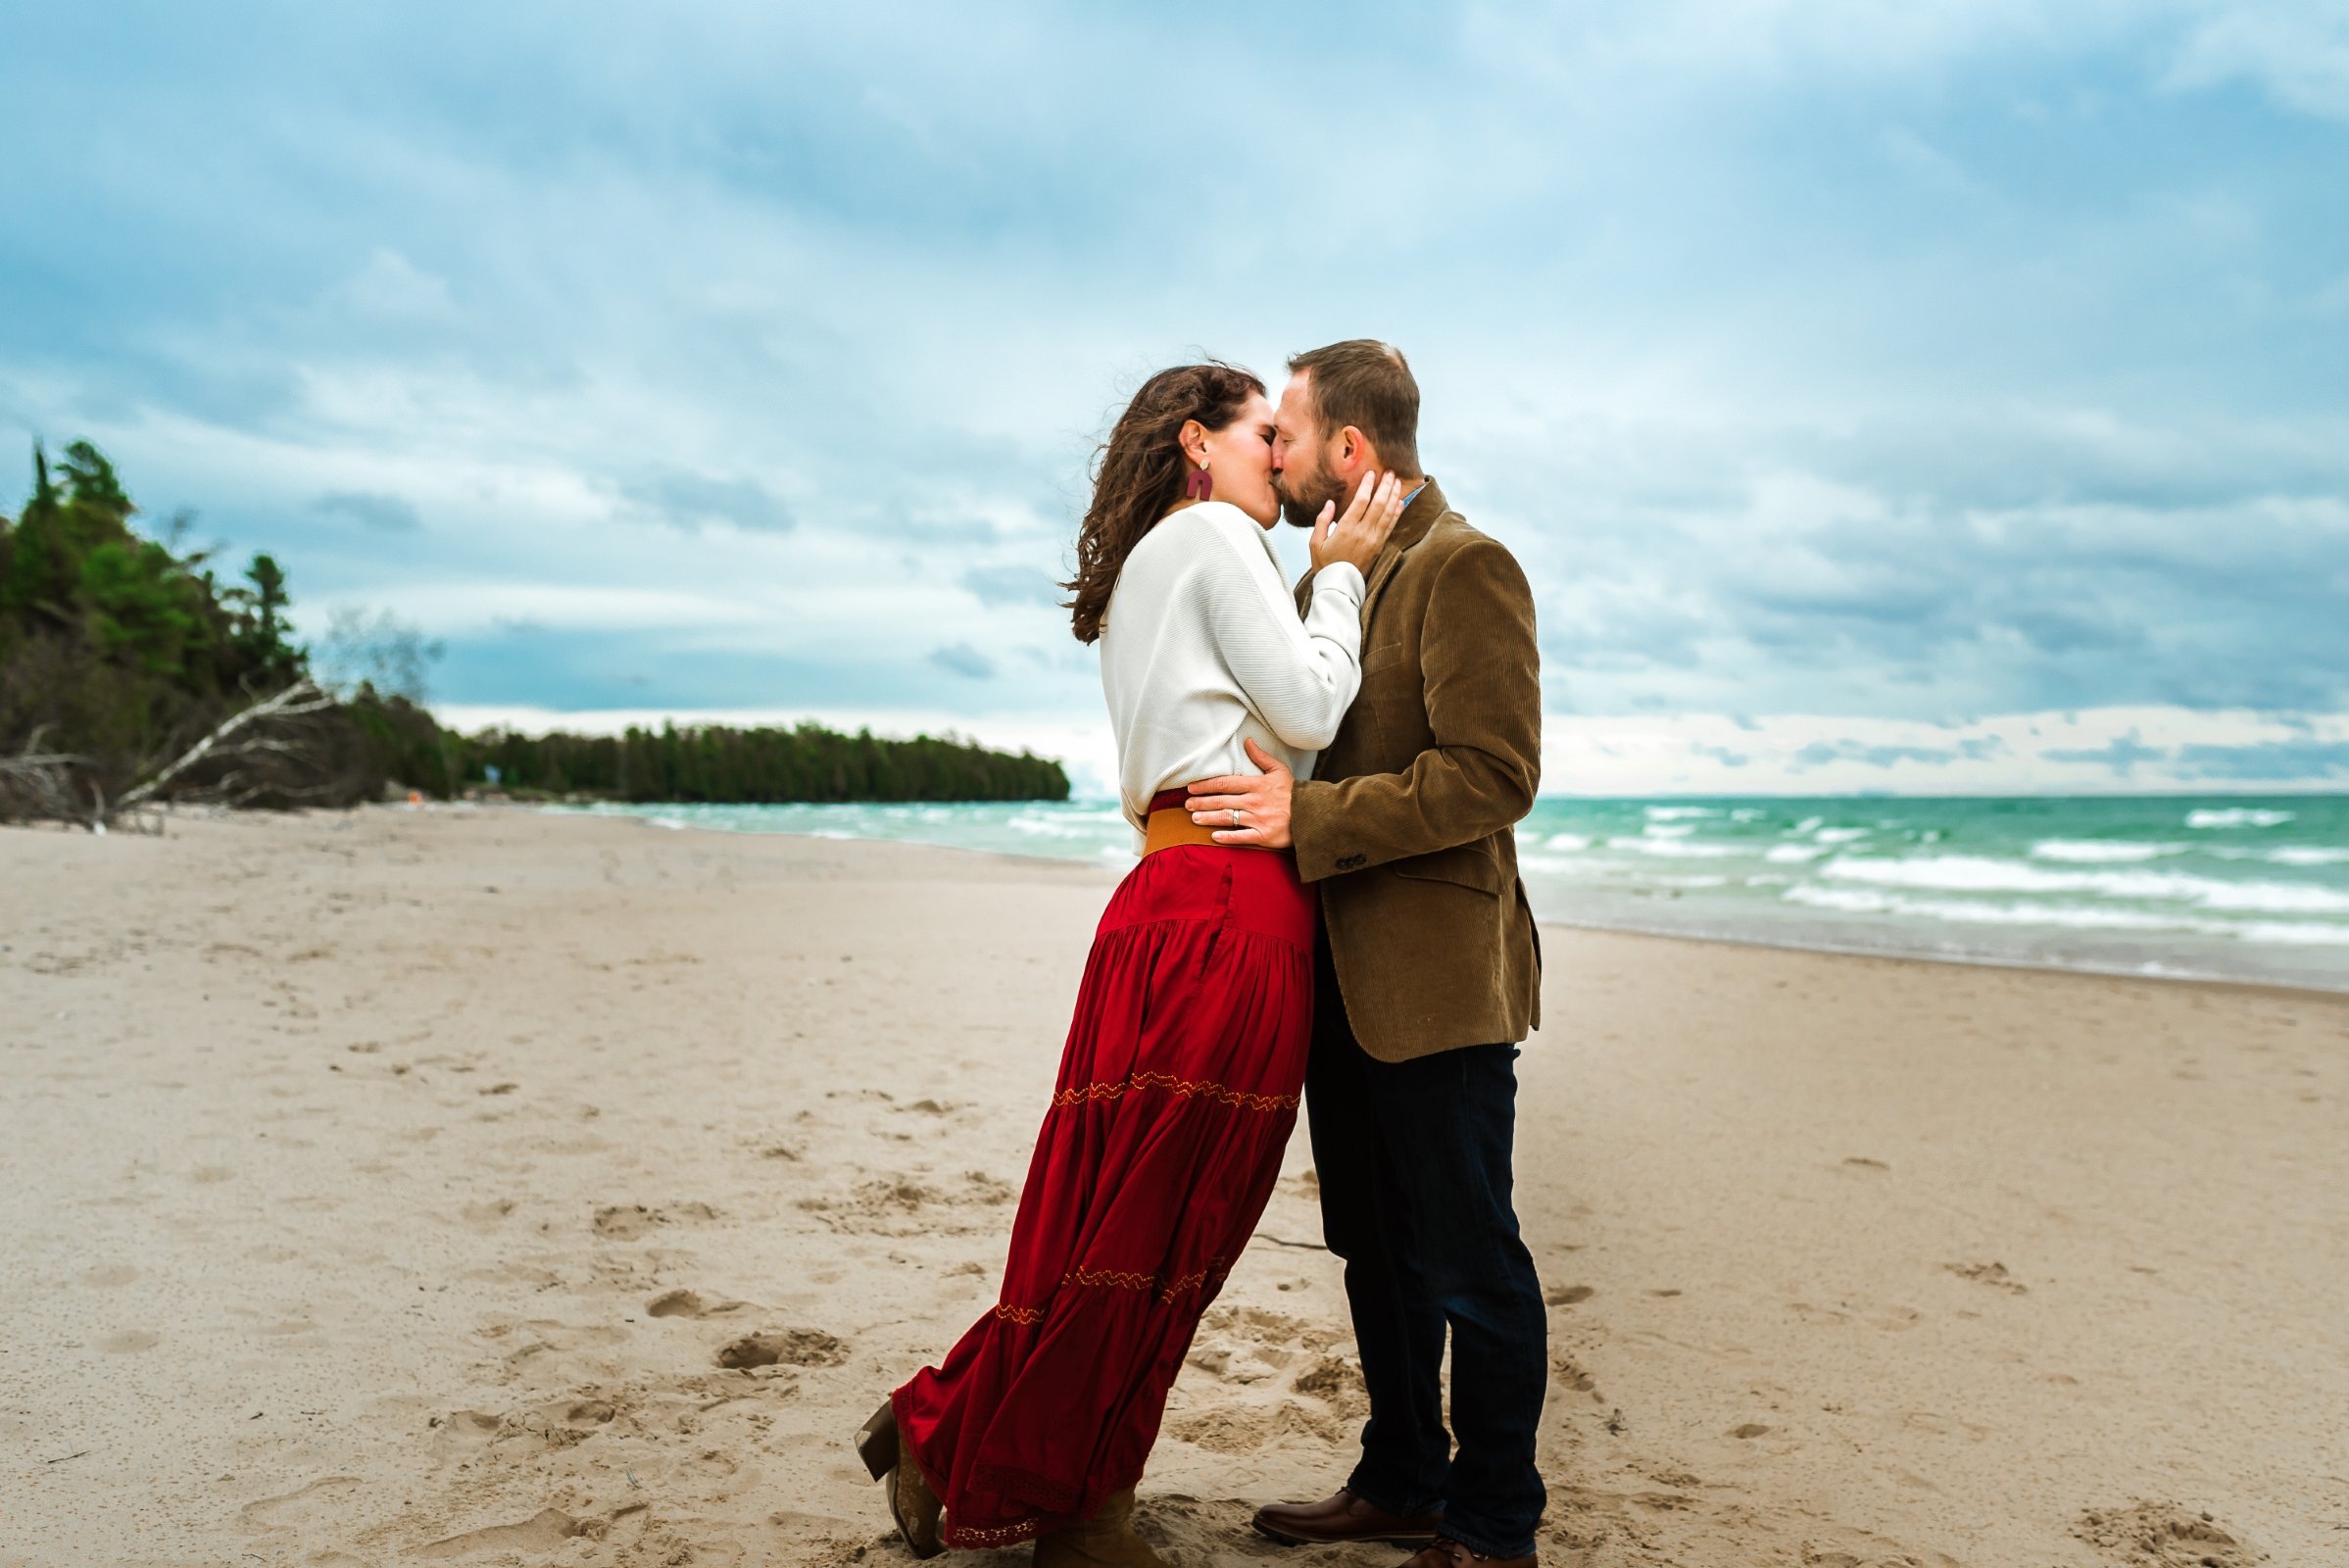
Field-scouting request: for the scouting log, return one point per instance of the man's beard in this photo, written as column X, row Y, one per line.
column 1302, row 495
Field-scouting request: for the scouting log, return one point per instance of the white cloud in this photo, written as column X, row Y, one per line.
column 391, row 287
column 2297, row 51
column 455, row 608
column 2095, row 751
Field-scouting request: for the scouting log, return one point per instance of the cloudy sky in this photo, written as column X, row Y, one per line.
column 1906, row 395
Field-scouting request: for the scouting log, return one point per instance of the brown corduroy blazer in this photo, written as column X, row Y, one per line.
column 1408, row 822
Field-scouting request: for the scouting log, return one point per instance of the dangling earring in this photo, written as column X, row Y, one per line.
column 1198, row 484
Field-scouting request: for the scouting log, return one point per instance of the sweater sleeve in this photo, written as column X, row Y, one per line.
column 1300, row 675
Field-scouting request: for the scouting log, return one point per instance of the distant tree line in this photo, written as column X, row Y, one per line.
column 131, row 672
column 716, row 764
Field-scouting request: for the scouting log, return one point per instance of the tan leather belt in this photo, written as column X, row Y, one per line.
column 1168, row 828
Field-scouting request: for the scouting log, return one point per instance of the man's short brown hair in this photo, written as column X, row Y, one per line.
column 1367, row 384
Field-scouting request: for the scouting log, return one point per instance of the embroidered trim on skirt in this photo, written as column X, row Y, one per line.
column 1178, row 1089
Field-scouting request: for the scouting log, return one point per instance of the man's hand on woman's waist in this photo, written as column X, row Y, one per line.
column 1250, row 809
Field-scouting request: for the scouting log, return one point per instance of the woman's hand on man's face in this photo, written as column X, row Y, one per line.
column 1358, row 535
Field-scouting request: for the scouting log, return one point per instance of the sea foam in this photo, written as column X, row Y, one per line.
column 1974, row 873
column 1973, row 912
column 2236, row 816
column 2306, row 854
column 1673, row 849
column 2101, row 852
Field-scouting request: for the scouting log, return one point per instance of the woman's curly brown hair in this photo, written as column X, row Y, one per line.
column 1138, row 474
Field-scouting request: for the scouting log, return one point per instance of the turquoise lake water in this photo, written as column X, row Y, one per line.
column 2219, row 887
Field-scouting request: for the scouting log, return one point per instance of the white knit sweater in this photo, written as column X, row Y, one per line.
column 1201, row 647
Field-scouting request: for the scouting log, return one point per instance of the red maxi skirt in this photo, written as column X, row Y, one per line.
column 1178, row 1089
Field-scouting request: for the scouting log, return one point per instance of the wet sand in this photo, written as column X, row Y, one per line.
column 483, row 1187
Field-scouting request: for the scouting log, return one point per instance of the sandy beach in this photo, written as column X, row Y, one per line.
column 488, row 1187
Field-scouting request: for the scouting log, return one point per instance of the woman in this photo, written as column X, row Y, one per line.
column 1181, row 1077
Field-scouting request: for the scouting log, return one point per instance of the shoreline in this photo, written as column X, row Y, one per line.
column 1959, row 961
column 1719, row 938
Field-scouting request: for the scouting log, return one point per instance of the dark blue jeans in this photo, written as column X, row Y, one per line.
column 1413, row 1159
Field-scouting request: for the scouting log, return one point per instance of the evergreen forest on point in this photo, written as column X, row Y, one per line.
column 132, row 670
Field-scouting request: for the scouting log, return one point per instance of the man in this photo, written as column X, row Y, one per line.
column 1429, row 973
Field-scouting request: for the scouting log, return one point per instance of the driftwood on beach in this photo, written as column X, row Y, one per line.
column 48, row 786
column 283, row 749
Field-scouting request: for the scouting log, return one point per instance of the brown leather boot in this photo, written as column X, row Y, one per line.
column 1344, row 1517
column 912, row 1503
column 1104, row 1541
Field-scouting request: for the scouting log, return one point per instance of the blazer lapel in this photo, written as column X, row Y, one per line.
column 1410, row 528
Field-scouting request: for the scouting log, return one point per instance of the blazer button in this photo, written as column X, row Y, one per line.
column 1351, row 862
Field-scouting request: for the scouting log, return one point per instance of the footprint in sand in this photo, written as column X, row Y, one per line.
column 1569, row 1374
column 552, row 1344
column 903, row 1205
column 1256, row 1326
column 109, row 1274
column 1230, row 1429
column 1239, row 1363
column 129, row 1342
column 784, row 1347
column 1249, row 1344
column 543, row 1531
column 1817, row 1556
column 319, row 1502
column 687, row 1303
column 1298, row 1387
column 1336, row 1382
column 1568, row 1295
column 466, row 1429
column 555, row 1422
column 626, row 1222
column 582, row 1413
column 2162, row 1534
column 1991, row 1274
column 559, row 1423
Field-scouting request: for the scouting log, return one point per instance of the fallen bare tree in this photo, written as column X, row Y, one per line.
column 245, row 741
column 292, row 747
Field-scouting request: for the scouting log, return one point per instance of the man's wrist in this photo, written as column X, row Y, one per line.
column 1307, row 800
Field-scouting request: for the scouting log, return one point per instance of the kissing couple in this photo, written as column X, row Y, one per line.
column 1324, row 783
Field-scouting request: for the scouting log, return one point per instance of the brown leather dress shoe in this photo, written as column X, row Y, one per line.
column 1446, row 1553
column 1344, row 1517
